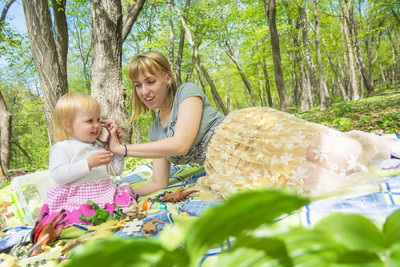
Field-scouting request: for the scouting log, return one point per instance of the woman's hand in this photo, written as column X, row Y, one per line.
column 111, row 124
column 115, row 143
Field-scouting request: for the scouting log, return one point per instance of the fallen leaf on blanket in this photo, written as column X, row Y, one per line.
column 132, row 226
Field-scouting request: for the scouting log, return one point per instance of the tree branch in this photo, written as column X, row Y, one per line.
column 130, row 17
column 5, row 10
column 23, row 151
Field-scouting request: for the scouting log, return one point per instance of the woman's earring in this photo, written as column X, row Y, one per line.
column 168, row 84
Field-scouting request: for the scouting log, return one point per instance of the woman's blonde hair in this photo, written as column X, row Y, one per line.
column 65, row 110
column 152, row 62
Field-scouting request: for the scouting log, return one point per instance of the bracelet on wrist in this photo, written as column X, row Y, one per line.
column 126, row 151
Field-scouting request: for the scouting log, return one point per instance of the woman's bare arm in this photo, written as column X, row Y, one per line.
column 161, row 170
column 187, row 126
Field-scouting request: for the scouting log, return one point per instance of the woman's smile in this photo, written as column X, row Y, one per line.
column 149, row 99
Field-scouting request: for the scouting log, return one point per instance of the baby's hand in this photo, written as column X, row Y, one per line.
column 99, row 158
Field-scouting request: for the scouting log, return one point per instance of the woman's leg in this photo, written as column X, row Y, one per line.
column 343, row 159
column 351, row 151
column 339, row 154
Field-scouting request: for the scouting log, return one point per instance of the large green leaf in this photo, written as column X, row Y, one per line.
column 310, row 247
column 246, row 210
column 251, row 251
column 394, row 257
column 359, row 258
column 126, row 252
column 353, row 231
column 391, row 229
column 245, row 257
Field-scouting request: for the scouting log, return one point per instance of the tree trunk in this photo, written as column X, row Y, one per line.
column 265, row 72
column 49, row 47
column 171, row 39
column 342, row 77
column 5, row 116
column 5, row 136
column 260, row 89
column 352, row 24
column 228, row 88
column 179, row 56
column 191, row 69
column 369, row 45
column 216, row 96
column 339, row 79
column 305, row 100
column 246, row 82
column 323, row 90
column 304, row 88
column 137, row 131
column 203, row 86
column 361, row 84
column 307, row 53
column 343, row 70
column 294, row 87
column 395, row 59
column 109, row 30
column 351, row 68
column 270, row 10
column 383, row 75
column 178, row 63
column 266, row 78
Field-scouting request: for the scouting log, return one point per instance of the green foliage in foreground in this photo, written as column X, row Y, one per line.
column 247, row 220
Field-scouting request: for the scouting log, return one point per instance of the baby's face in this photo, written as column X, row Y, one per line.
column 85, row 125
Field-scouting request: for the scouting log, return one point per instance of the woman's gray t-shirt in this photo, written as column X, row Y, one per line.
column 209, row 120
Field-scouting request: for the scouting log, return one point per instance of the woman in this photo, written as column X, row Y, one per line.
column 253, row 147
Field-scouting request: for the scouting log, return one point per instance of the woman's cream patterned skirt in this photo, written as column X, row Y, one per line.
column 264, row 147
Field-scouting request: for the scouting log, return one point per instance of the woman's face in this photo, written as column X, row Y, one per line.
column 152, row 89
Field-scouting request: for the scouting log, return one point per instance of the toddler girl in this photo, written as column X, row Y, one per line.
column 78, row 164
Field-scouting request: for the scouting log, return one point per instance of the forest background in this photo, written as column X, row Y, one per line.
column 296, row 56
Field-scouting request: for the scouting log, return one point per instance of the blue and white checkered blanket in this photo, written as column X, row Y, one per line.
column 375, row 201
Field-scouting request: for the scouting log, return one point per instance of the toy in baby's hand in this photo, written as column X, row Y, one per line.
column 104, row 136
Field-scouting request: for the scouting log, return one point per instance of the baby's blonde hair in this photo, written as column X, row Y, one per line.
column 65, row 110
column 152, row 62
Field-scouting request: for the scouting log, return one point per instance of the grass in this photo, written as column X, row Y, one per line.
column 378, row 114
